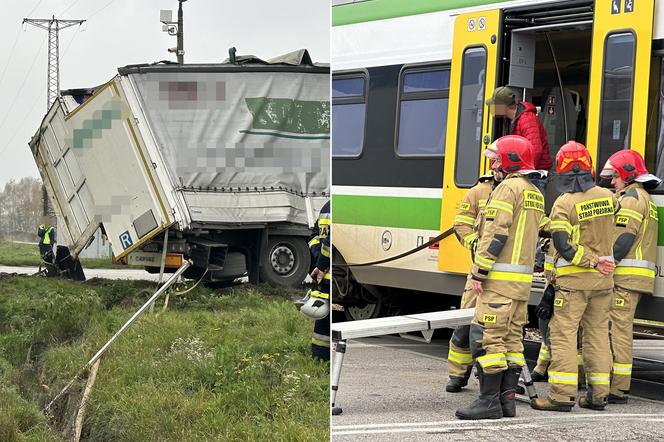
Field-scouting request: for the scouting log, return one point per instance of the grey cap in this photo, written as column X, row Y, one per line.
column 502, row 95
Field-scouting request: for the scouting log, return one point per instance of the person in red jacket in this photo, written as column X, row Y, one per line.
column 524, row 122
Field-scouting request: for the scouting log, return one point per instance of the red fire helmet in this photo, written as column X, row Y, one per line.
column 573, row 157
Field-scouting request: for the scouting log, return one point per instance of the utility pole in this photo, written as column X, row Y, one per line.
column 174, row 28
column 53, row 26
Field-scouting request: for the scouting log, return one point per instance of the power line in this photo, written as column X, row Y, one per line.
column 11, row 53
column 36, row 6
column 20, row 126
column 101, row 9
column 20, row 89
column 67, row 8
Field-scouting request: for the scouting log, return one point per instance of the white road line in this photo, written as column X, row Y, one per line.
column 516, row 420
column 448, row 429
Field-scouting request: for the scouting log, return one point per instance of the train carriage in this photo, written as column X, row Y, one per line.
column 410, row 122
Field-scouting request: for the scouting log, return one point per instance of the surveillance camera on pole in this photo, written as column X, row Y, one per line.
column 174, row 28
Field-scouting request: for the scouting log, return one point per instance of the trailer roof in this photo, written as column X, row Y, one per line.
column 296, row 61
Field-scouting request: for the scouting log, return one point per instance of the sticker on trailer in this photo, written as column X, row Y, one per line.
column 615, row 6
column 481, row 23
column 471, row 24
column 125, row 240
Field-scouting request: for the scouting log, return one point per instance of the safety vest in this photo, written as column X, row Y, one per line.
column 46, row 239
column 637, row 215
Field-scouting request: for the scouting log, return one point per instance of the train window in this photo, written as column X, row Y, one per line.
column 423, row 112
column 348, row 115
column 617, row 91
column 471, row 105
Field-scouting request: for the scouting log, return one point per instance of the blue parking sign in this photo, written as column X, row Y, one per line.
column 125, row 240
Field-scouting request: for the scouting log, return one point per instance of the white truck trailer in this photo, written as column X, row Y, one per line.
column 225, row 164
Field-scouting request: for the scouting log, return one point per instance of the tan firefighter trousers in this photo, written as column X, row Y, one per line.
column 458, row 358
column 623, row 306
column 590, row 309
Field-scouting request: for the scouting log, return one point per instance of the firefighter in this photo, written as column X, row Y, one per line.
column 317, row 304
column 501, row 276
column 466, row 222
column 581, row 227
column 635, row 251
column 46, row 233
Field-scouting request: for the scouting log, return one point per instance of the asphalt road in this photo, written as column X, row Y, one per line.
column 393, row 389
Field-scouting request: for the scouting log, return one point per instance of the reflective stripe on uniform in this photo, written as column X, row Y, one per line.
column 637, row 263
column 463, row 219
column 510, row 276
column 634, row 271
column 598, row 378
column 576, row 259
column 484, row 262
column 459, row 358
column 630, row 213
column 562, row 377
column 313, row 242
column 639, row 247
column 468, row 240
column 516, row 358
column 502, row 205
column 544, row 221
column 518, row 240
column 579, row 359
column 492, row 360
column 481, row 202
column 324, row 221
column 514, row 268
column 622, row 369
column 564, row 267
column 321, row 295
column 325, row 250
column 561, row 225
column 544, row 353
column 328, row 275
column 320, row 342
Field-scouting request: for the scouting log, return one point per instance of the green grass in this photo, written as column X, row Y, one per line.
column 230, row 365
column 19, row 254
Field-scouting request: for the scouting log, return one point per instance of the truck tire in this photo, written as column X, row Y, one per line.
column 285, row 262
column 368, row 311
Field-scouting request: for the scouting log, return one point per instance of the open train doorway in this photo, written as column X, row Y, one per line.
column 546, row 60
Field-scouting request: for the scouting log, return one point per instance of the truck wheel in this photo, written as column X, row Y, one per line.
column 285, row 262
column 368, row 311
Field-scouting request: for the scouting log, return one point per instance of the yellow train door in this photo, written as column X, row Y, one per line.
column 619, row 76
column 469, row 125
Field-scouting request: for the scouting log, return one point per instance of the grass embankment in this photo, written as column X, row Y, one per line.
column 19, row 254
column 230, row 365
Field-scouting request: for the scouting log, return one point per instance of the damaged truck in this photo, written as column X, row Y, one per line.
column 223, row 164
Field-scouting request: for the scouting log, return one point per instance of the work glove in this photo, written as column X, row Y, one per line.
column 544, row 309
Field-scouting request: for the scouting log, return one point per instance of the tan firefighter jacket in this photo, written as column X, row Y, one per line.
column 468, row 213
column 505, row 253
column 582, row 226
column 636, row 219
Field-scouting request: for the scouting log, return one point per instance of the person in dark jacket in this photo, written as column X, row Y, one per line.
column 523, row 122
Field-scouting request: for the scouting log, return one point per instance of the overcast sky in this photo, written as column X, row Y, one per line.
column 122, row 32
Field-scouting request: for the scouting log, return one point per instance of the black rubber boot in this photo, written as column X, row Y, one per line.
column 539, row 377
column 615, row 399
column 487, row 406
column 508, row 391
column 587, row 402
column 456, row 383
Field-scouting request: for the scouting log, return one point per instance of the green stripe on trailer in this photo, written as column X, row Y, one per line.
column 382, row 9
column 387, row 211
